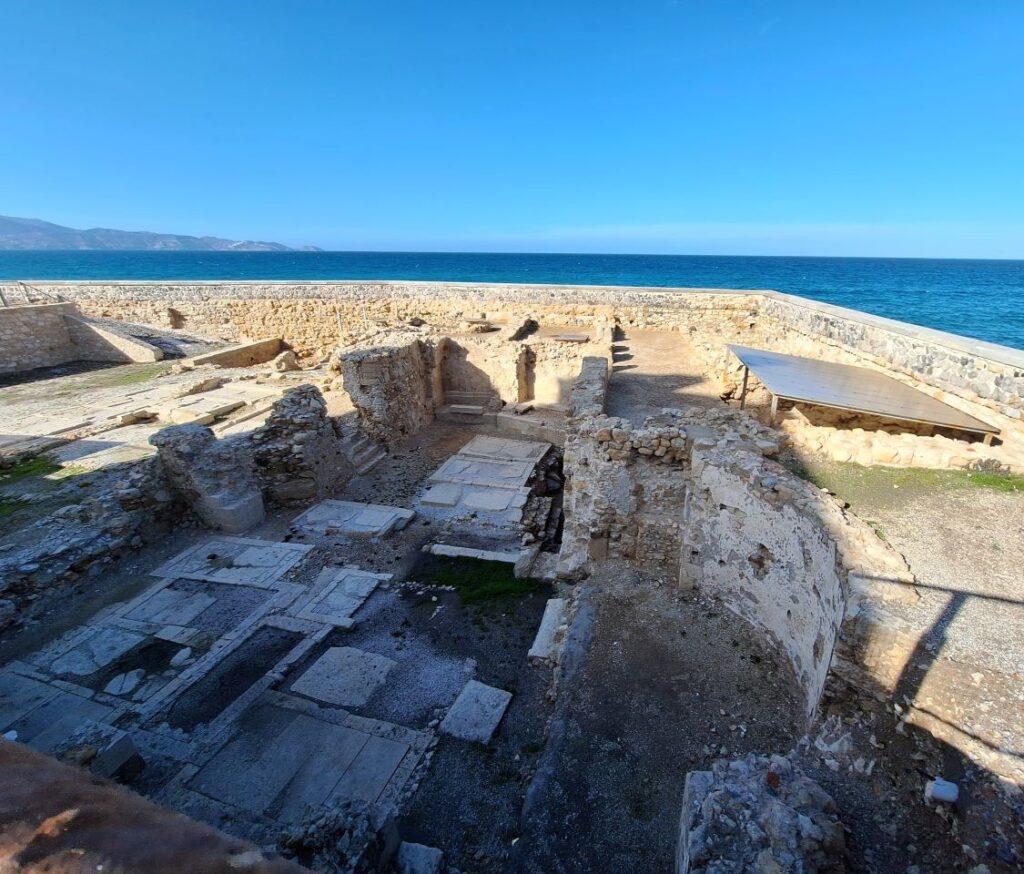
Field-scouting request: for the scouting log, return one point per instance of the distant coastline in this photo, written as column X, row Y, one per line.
column 975, row 298
column 32, row 235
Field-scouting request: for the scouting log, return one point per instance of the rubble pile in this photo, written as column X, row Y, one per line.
column 758, row 814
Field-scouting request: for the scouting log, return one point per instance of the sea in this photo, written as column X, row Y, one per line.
column 981, row 299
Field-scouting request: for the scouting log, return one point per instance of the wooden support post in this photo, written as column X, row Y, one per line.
column 775, row 409
column 988, row 439
column 743, row 391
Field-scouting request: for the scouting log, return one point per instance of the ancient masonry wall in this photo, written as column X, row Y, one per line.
column 46, row 335
column 314, row 316
column 299, row 455
column 693, row 496
column 393, row 387
column 34, row 336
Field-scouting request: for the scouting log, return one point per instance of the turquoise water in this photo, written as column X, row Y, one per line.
column 983, row 299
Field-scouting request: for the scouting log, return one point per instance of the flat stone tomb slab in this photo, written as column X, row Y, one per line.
column 240, row 560
column 96, row 650
column 476, row 712
column 494, row 500
column 353, row 519
column 344, row 676
column 337, row 594
column 482, row 472
column 503, row 449
column 171, row 607
column 442, row 495
column 20, row 695
column 283, row 762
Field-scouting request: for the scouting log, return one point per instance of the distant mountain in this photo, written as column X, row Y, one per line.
column 23, row 234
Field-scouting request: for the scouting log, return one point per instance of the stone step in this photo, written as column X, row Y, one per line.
column 370, row 463
column 359, row 445
column 359, row 456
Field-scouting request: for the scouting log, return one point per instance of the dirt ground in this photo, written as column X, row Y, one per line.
column 652, row 370
column 962, row 534
column 656, row 683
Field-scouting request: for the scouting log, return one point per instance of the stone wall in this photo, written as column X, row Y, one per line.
column 590, row 388
column 34, row 336
column 393, row 386
column 105, row 342
column 979, row 378
column 81, row 538
column 47, row 335
column 312, row 315
column 694, row 497
column 298, row 453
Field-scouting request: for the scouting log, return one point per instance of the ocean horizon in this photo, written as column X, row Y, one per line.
column 983, row 299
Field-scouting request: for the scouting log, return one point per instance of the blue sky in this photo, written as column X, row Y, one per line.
column 671, row 127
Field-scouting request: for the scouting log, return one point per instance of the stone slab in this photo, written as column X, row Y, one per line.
column 171, row 607
column 282, row 761
column 46, row 726
column 483, row 472
column 98, row 650
column 476, row 712
column 419, row 859
column 337, row 594
column 442, row 495
column 572, row 338
column 353, row 519
column 20, row 695
column 547, row 643
column 504, row 449
column 471, row 552
column 490, row 500
column 237, row 560
column 344, row 676
column 371, row 771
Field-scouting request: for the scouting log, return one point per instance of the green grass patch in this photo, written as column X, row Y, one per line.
column 475, row 581
column 844, row 478
column 41, row 465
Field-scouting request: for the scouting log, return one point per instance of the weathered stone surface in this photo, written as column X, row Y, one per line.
column 476, row 712
column 298, row 453
column 758, row 814
column 285, row 362
column 419, row 859
column 337, row 594
column 344, row 676
column 353, row 519
column 215, row 477
column 547, row 643
column 239, row 560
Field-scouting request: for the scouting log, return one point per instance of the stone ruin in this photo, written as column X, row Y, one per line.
column 694, row 496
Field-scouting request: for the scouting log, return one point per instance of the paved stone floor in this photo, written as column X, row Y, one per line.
column 265, row 678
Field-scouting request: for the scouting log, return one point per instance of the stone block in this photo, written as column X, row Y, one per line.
column 476, row 712
column 419, row 859
column 547, row 644
column 344, row 676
